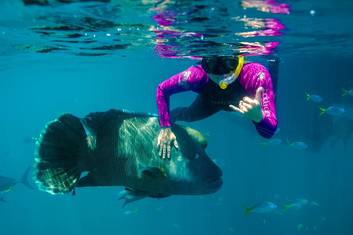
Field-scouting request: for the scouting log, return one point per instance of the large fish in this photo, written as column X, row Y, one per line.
column 118, row 148
column 7, row 183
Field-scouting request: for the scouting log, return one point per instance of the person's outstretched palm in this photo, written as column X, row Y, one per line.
column 165, row 140
column 250, row 108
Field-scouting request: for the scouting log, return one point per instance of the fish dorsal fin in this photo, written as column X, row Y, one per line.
column 97, row 120
column 153, row 172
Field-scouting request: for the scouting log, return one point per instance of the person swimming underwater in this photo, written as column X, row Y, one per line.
column 224, row 83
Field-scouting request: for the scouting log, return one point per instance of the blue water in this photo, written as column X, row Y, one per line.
column 114, row 62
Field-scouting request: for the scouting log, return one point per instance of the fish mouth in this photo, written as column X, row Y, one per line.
column 214, row 184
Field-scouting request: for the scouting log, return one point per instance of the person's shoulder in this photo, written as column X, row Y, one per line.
column 197, row 69
column 254, row 69
column 254, row 66
column 196, row 73
column 254, row 74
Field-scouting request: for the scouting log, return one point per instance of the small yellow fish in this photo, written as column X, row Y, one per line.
column 313, row 98
column 347, row 92
column 332, row 110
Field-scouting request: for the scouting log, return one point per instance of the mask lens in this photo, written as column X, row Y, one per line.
column 220, row 65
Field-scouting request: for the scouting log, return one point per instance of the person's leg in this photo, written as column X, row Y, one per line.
column 201, row 108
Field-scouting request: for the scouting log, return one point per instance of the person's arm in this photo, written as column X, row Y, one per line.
column 254, row 77
column 190, row 79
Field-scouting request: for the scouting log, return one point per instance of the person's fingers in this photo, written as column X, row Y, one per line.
column 250, row 101
column 160, row 148
column 168, row 151
column 160, row 151
column 259, row 93
column 242, row 107
column 232, row 107
column 247, row 105
column 176, row 145
column 164, row 150
column 160, row 138
column 236, row 109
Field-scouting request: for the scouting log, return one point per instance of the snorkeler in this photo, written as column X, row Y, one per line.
column 224, row 83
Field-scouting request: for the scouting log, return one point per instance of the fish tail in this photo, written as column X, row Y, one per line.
column 25, row 177
column 307, row 96
column 59, row 150
column 344, row 92
column 288, row 142
column 247, row 211
column 322, row 111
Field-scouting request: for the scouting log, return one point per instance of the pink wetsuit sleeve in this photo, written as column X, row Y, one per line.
column 191, row 79
column 252, row 77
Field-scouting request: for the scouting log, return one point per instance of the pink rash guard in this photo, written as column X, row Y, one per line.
column 252, row 76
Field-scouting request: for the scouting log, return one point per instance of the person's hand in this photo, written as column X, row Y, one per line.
column 165, row 140
column 250, row 108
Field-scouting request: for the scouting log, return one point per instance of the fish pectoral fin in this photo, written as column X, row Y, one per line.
column 153, row 172
column 86, row 181
column 132, row 191
column 130, row 195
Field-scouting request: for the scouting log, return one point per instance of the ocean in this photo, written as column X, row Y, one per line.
column 80, row 57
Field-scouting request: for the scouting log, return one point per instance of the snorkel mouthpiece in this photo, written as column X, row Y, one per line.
column 223, row 84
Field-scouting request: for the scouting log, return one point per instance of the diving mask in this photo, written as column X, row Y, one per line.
column 230, row 78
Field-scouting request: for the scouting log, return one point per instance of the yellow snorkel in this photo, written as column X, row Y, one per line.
column 223, row 84
column 240, row 66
